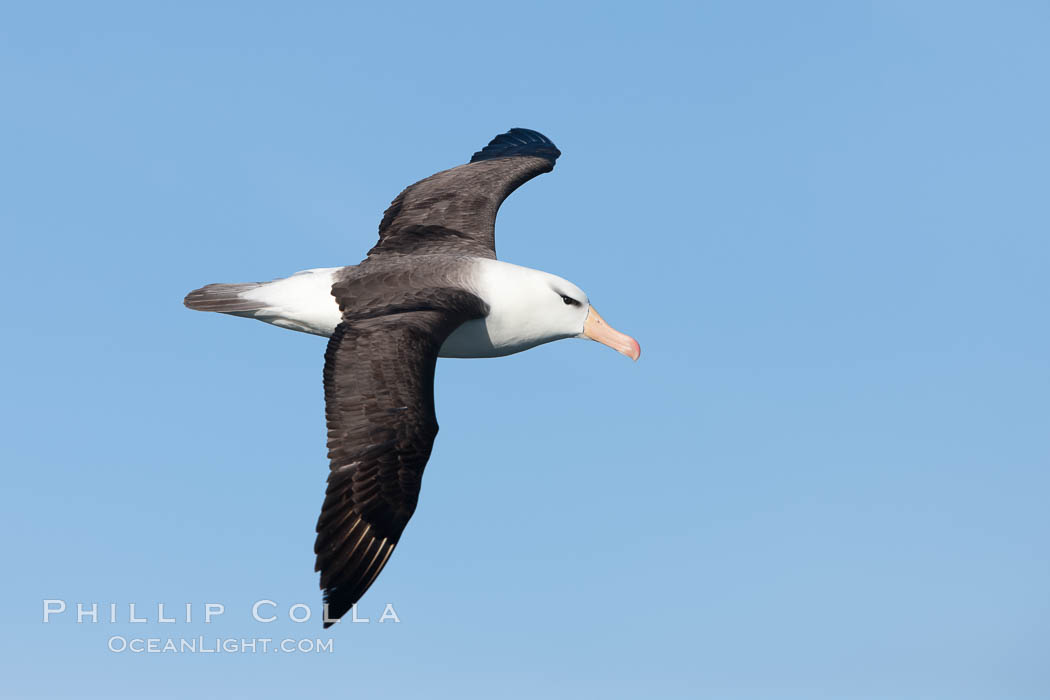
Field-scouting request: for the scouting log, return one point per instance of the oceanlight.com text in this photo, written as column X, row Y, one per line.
column 217, row 645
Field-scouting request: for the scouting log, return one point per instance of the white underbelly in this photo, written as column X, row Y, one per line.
column 304, row 303
column 473, row 339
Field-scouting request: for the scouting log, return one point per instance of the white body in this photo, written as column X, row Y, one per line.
column 525, row 308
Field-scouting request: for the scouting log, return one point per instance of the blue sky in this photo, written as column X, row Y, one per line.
column 826, row 223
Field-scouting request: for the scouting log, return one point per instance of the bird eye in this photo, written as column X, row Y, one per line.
column 569, row 301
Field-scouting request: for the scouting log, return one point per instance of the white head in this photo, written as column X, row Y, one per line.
column 528, row 307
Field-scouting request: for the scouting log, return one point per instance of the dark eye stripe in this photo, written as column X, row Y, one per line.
column 569, row 301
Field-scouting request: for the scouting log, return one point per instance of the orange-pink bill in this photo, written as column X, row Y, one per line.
column 596, row 328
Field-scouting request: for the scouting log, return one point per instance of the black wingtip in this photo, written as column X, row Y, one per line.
column 336, row 604
column 519, row 142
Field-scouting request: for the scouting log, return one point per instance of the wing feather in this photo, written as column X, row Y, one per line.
column 454, row 211
column 379, row 397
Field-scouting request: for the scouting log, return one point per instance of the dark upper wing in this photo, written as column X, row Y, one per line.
column 379, row 396
column 454, row 211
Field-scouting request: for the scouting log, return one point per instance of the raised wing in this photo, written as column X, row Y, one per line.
column 454, row 211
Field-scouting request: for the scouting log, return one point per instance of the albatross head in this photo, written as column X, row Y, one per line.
column 577, row 318
column 528, row 308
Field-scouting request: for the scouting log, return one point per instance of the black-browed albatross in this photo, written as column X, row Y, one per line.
column 431, row 287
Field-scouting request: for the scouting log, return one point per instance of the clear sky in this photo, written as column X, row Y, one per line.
column 826, row 223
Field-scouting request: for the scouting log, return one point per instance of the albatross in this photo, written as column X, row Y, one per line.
column 431, row 287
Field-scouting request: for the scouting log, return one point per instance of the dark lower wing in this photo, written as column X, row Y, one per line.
column 379, row 397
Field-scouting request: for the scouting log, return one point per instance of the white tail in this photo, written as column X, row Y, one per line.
column 302, row 302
